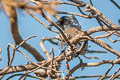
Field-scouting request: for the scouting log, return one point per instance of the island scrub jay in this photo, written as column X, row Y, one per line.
column 71, row 27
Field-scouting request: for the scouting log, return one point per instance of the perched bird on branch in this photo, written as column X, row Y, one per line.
column 71, row 27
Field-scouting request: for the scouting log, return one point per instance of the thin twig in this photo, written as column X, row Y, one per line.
column 96, row 51
column 9, row 78
column 105, row 36
column 76, row 14
column 24, row 55
column 25, row 41
column 105, row 75
column 115, row 3
column 38, row 20
column 86, row 65
column 8, row 54
column 81, row 11
column 89, row 76
column 21, row 53
column 113, row 76
column 44, row 49
column 91, row 3
column 101, row 15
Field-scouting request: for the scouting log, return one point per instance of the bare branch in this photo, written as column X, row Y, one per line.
column 11, row 12
column 38, row 20
column 44, row 49
column 105, row 75
column 114, row 75
column 104, row 28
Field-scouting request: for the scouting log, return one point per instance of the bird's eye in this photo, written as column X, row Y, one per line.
column 65, row 18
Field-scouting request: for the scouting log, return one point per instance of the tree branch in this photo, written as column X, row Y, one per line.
column 11, row 12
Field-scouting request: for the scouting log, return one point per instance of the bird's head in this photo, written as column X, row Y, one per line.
column 68, row 21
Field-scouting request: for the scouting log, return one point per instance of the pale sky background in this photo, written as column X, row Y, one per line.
column 29, row 27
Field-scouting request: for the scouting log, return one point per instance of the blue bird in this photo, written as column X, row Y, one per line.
column 71, row 27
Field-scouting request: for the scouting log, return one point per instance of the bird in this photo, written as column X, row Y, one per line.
column 70, row 26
